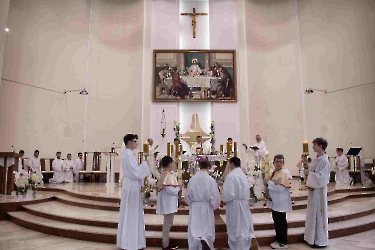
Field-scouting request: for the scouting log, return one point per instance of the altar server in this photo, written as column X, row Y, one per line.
column 167, row 203
column 131, row 226
column 78, row 166
column 34, row 165
column 236, row 193
column 280, row 202
column 316, row 223
column 20, row 166
column 68, row 169
column 342, row 164
column 58, row 170
column 202, row 196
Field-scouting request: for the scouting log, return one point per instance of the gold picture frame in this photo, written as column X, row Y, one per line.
column 194, row 76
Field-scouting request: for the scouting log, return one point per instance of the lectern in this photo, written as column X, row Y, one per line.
column 8, row 164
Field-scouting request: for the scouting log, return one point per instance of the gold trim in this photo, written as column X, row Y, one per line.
column 235, row 99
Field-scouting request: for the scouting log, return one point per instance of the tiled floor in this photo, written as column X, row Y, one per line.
column 13, row 237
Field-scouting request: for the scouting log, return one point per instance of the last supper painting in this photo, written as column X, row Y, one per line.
column 194, row 76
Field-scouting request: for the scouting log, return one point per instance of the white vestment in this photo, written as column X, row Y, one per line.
column 236, row 193
column 203, row 197
column 258, row 155
column 68, row 172
column 195, row 69
column 58, row 171
column 34, row 164
column 131, row 226
column 196, row 148
column 78, row 166
column 20, row 168
column 342, row 172
column 316, row 224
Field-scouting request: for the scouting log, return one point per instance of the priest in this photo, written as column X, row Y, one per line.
column 58, row 170
column 34, row 165
column 68, row 169
column 198, row 147
column 202, row 196
column 78, row 166
column 236, row 193
column 131, row 226
column 316, row 223
column 258, row 150
column 342, row 164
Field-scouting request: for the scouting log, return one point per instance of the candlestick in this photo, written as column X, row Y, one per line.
column 146, row 148
column 221, row 148
column 172, row 150
column 305, row 147
column 180, row 148
column 235, row 148
column 229, row 149
column 140, row 157
column 176, row 150
column 168, row 149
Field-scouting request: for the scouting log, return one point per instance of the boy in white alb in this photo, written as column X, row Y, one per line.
column 167, row 203
column 280, row 202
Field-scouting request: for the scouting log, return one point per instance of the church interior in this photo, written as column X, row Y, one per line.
column 203, row 79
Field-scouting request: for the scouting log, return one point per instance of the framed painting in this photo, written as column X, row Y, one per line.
column 194, row 76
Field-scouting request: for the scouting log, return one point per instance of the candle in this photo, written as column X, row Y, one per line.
column 168, row 149
column 305, row 147
column 235, row 148
column 221, row 148
column 146, row 148
column 229, row 149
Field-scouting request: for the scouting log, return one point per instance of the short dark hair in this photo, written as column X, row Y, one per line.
column 279, row 156
column 36, row 151
column 58, row 152
column 166, row 160
column 340, row 149
column 308, row 159
column 130, row 137
column 68, row 154
column 321, row 142
column 21, row 152
column 204, row 164
column 198, row 136
column 79, row 153
column 176, row 139
column 236, row 161
column 229, row 139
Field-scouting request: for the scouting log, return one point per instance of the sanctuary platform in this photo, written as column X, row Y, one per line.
column 89, row 211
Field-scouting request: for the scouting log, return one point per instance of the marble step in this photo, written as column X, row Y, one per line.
column 108, row 235
column 151, row 209
column 54, row 210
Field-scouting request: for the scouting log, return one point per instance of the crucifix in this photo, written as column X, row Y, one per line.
column 193, row 21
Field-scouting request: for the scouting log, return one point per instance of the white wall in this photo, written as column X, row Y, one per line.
column 48, row 48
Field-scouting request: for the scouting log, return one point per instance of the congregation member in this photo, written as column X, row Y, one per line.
column 341, row 165
column 316, row 223
column 202, row 196
column 167, row 202
column 68, row 168
column 78, row 166
column 279, row 201
column 236, row 193
column 34, row 165
column 58, row 170
column 131, row 226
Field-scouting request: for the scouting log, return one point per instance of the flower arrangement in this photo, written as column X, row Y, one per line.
column 34, row 180
column 212, row 136
column 177, row 129
column 20, row 183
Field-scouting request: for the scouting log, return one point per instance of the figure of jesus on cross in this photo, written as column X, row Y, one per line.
column 193, row 21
